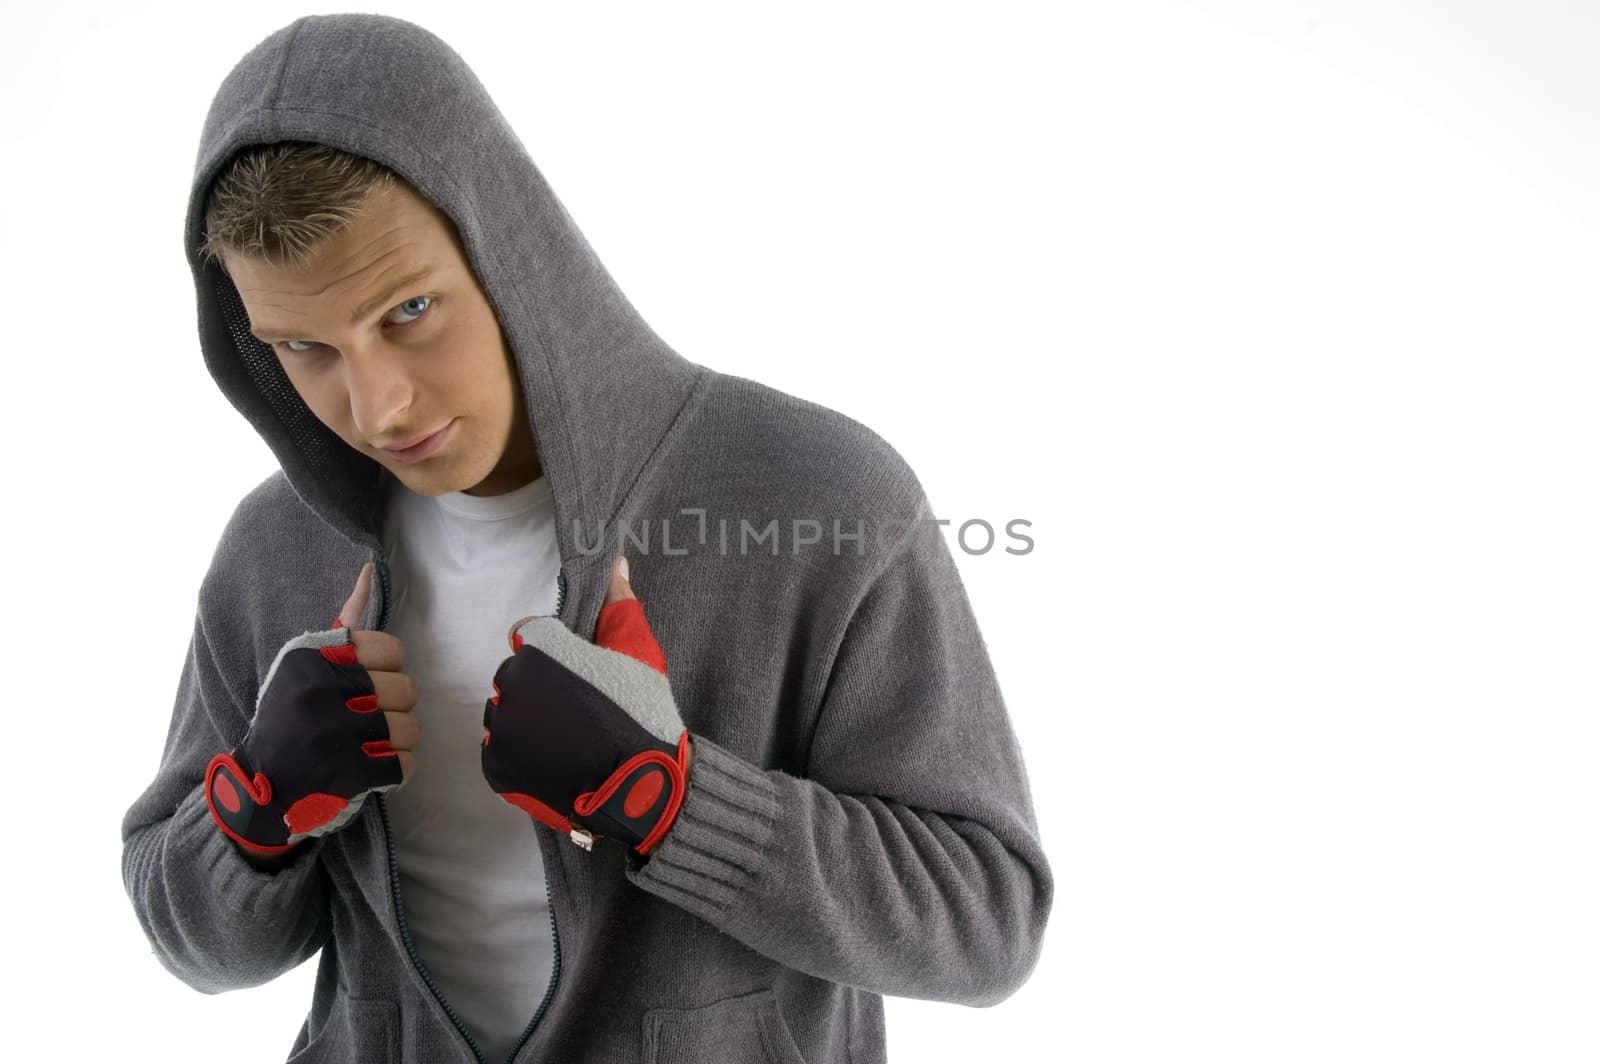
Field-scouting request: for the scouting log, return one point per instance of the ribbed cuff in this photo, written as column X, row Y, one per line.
column 221, row 868
column 720, row 840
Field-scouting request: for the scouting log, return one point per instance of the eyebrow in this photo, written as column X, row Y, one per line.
column 269, row 335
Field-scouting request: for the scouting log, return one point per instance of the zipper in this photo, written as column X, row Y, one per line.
column 394, row 879
column 383, row 588
column 555, row 976
column 405, row 935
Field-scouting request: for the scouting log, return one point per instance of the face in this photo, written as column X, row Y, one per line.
column 388, row 339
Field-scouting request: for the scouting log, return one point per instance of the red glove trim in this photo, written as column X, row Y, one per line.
column 344, row 654
column 588, row 802
column 261, row 793
column 538, row 810
column 312, row 811
column 622, row 627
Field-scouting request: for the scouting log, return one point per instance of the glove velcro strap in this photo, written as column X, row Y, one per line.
column 641, row 797
column 236, row 799
column 241, row 804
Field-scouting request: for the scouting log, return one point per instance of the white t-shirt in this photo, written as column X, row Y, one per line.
column 471, row 876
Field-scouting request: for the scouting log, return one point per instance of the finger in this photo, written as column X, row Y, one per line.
column 356, row 605
column 404, row 730
column 395, row 690
column 408, row 762
column 622, row 627
column 378, row 650
column 619, row 588
column 513, row 639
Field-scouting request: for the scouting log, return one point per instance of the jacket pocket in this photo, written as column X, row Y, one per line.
column 747, row 1029
column 358, row 1031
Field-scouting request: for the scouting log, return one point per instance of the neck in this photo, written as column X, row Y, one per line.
column 518, row 466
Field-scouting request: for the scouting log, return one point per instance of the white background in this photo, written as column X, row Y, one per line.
column 1277, row 321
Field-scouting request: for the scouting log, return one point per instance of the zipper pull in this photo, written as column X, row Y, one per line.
column 582, row 838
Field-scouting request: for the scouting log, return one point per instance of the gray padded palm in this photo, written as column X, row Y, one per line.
column 642, row 692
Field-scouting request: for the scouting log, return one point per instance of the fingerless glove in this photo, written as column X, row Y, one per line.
column 317, row 746
column 585, row 737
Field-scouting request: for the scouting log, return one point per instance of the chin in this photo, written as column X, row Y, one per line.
column 424, row 481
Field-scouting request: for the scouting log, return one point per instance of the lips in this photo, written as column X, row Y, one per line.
column 414, row 442
column 424, row 448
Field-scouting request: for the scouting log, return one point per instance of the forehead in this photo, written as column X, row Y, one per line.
column 398, row 238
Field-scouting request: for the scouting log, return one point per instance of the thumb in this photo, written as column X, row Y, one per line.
column 619, row 587
column 621, row 625
column 356, row 605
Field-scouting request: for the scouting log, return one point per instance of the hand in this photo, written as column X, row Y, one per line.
column 585, row 737
column 332, row 725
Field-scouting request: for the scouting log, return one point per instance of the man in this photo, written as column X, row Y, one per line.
column 719, row 836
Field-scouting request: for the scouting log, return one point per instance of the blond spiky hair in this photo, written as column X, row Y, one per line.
column 278, row 202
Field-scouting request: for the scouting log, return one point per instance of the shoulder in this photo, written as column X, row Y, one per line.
column 272, row 516
column 272, row 496
column 270, row 532
column 801, row 452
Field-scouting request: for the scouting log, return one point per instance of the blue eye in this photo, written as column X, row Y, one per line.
column 426, row 301
column 421, row 304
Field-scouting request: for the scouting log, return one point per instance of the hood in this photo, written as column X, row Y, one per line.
column 601, row 389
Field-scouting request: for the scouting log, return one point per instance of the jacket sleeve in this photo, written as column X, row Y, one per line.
column 213, row 919
column 907, row 861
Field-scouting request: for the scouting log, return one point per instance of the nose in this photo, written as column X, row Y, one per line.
column 380, row 392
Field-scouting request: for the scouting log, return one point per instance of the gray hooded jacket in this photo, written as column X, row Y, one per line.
column 858, row 821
